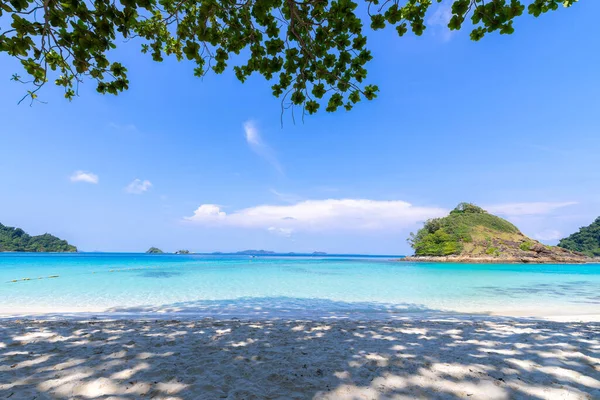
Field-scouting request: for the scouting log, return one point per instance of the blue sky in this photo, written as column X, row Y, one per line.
column 510, row 123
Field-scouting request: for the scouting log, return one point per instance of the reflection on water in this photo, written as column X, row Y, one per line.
column 110, row 281
column 314, row 272
column 571, row 291
column 280, row 307
column 159, row 274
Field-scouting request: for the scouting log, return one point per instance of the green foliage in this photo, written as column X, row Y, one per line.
column 525, row 246
column 154, row 250
column 467, row 208
column 444, row 236
column 313, row 52
column 15, row 239
column 492, row 251
column 586, row 241
column 438, row 243
column 182, row 252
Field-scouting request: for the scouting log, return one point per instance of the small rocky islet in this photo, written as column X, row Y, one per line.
column 469, row 234
column 154, row 250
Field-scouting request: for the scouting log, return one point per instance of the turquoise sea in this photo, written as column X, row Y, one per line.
column 240, row 286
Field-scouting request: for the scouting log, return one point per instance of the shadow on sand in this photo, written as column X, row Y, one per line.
column 284, row 358
column 281, row 307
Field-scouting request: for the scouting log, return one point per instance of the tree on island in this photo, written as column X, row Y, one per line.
column 313, row 52
column 471, row 232
column 448, row 235
column 154, row 250
column 182, row 252
column 16, row 239
column 586, row 241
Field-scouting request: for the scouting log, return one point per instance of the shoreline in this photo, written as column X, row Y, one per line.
column 565, row 314
column 493, row 260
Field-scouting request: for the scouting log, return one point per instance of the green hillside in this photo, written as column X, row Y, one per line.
column 586, row 241
column 471, row 234
column 468, row 229
column 16, row 239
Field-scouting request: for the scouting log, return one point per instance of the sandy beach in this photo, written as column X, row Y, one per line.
column 484, row 358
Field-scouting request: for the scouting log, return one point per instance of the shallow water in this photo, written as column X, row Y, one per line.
column 275, row 286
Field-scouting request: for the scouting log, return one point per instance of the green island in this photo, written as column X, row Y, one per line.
column 17, row 240
column 471, row 234
column 586, row 241
column 182, row 252
column 154, row 250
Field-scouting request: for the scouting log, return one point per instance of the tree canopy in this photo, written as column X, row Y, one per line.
column 312, row 52
column 586, row 240
column 471, row 234
column 16, row 239
column 448, row 235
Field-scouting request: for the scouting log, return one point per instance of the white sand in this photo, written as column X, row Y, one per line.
column 284, row 359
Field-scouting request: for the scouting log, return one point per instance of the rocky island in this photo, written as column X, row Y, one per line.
column 17, row 240
column 154, row 250
column 470, row 234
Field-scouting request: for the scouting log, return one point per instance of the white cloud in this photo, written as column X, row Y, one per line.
column 319, row 215
column 258, row 145
column 252, row 136
column 138, row 186
column 208, row 212
column 548, row 234
column 439, row 20
column 285, row 232
column 533, row 208
column 83, row 176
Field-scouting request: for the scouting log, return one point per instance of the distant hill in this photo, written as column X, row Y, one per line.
column 586, row 241
column 15, row 239
column 154, row 250
column 266, row 253
column 255, row 252
column 471, row 234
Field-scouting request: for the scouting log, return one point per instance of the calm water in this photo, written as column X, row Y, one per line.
column 271, row 286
